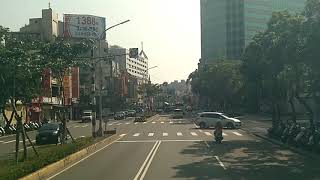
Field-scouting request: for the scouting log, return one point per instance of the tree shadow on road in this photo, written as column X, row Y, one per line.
column 246, row 160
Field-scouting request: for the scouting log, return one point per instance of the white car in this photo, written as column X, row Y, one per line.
column 209, row 119
column 177, row 113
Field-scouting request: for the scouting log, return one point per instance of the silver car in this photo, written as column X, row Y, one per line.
column 209, row 119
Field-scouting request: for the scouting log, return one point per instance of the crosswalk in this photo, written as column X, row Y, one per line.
column 193, row 133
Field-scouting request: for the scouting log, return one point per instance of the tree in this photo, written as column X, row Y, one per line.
column 60, row 56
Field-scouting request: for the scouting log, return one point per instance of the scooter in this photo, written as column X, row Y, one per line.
column 218, row 136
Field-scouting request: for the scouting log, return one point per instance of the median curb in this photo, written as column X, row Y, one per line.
column 51, row 169
column 296, row 150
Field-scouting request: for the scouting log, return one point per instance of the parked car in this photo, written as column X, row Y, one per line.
column 209, row 119
column 87, row 116
column 49, row 133
column 177, row 113
column 131, row 113
column 119, row 115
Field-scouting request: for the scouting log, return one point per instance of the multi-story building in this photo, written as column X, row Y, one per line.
column 227, row 26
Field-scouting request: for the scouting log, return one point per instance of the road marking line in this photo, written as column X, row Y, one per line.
column 145, row 161
column 194, row 134
column 121, row 135
column 179, row 134
column 135, row 123
column 221, row 164
column 207, row 144
column 224, row 134
column 236, row 133
column 76, row 126
column 118, row 124
column 168, row 140
column 162, row 122
column 208, row 134
column 7, row 142
column 148, row 165
column 200, row 130
column 127, row 123
column 153, row 122
column 171, row 122
column 65, row 169
column 136, row 134
column 85, row 126
column 150, row 134
column 179, row 122
column 144, row 122
column 165, row 134
column 82, row 136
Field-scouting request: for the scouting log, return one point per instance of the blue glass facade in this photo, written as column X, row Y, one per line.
column 227, row 26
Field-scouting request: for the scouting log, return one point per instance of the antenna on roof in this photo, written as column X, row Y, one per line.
column 142, row 46
column 49, row 5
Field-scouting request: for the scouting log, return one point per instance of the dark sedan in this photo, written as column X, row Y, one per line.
column 49, row 133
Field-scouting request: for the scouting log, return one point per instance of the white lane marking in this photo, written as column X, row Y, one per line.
column 151, row 158
column 224, row 134
column 110, row 124
column 179, row 122
column 200, row 130
column 136, row 134
column 150, row 134
column 65, row 169
column 144, row 122
column 7, row 142
column 118, row 124
column 145, row 161
column 153, row 122
column 221, row 164
column 236, row 133
column 1, row 141
column 171, row 122
column 127, row 123
column 165, row 134
column 135, row 123
column 169, row 140
column 121, row 135
column 85, row 126
column 76, row 126
column 179, row 134
column 194, row 134
column 208, row 133
column 162, row 122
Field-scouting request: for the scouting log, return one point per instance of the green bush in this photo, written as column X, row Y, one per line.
column 47, row 155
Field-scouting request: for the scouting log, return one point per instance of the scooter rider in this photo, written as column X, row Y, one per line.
column 218, row 131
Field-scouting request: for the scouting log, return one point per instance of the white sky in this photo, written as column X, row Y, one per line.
column 169, row 29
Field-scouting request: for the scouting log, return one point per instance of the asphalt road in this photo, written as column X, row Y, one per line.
column 163, row 148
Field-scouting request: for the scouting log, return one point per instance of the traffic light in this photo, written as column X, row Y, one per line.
column 133, row 53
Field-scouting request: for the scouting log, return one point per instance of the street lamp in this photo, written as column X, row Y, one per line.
column 99, row 132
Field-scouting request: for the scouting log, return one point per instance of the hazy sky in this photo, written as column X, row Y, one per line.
column 169, row 29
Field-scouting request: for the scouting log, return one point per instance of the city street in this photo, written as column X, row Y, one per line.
column 165, row 148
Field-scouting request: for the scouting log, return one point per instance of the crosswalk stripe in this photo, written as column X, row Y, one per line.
column 162, row 122
column 81, row 136
column 153, row 122
column 150, row 134
column 76, row 126
column 85, row 126
column 165, row 134
column 236, row 133
column 194, row 134
column 224, row 134
column 208, row 134
column 144, row 122
column 179, row 122
column 171, row 122
column 179, row 133
column 127, row 123
column 135, row 123
column 122, row 135
column 9, row 142
column 136, row 134
column 118, row 124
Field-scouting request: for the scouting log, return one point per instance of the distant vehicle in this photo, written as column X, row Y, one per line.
column 131, row 113
column 49, row 133
column 209, row 119
column 177, row 113
column 87, row 116
column 140, row 117
column 120, row 115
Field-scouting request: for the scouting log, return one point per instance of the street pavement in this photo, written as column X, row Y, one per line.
column 166, row 148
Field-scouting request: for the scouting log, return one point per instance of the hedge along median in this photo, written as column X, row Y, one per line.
column 47, row 155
